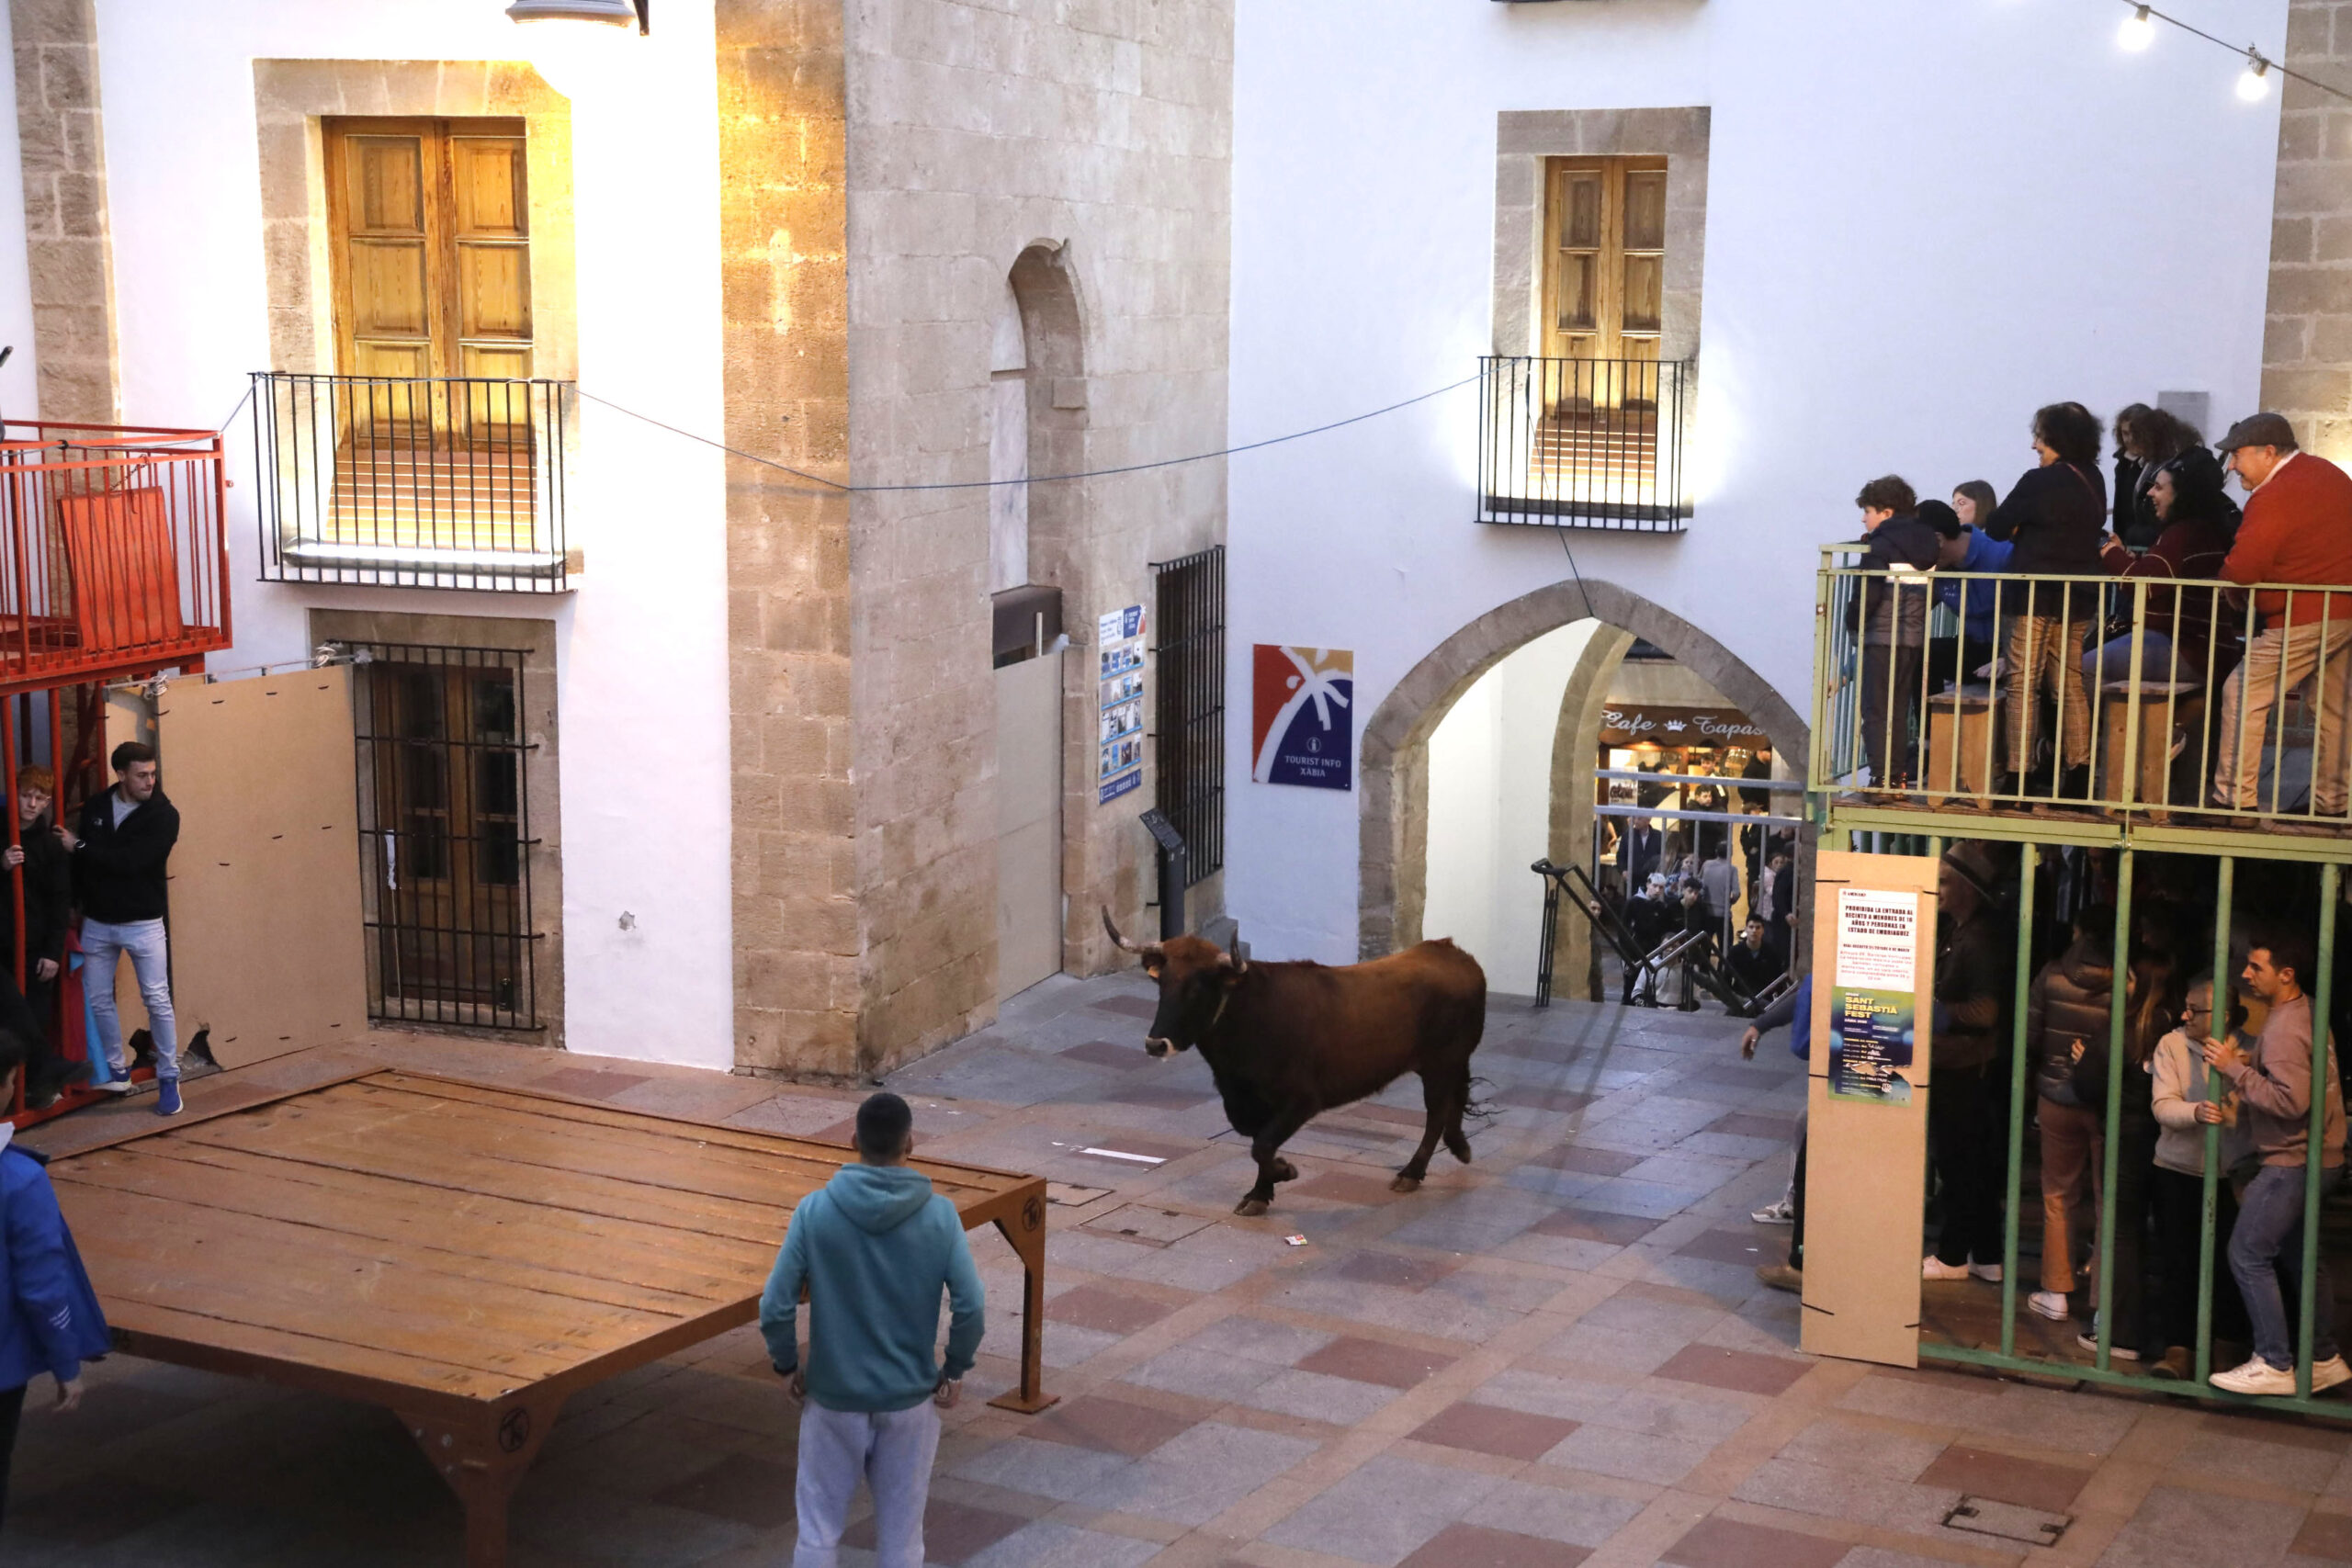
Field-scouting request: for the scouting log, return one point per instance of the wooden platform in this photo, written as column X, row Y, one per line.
column 466, row 1257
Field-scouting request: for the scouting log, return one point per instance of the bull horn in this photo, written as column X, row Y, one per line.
column 1121, row 943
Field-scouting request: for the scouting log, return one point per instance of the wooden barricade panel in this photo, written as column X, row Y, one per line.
column 1873, row 982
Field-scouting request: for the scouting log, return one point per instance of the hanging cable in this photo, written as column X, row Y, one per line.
column 1039, row 480
column 2137, row 31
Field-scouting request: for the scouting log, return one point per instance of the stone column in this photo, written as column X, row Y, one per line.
column 783, row 235
column 67, row 246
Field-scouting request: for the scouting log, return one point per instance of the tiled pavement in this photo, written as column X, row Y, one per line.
column 1557, row 1355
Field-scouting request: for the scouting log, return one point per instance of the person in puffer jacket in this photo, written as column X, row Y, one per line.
column 2067, row 1018
column 53, row 1323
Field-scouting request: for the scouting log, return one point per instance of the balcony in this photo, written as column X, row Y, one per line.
column 1584, row 443
column 2154, row 718
column 114, row 559
column 446, row 482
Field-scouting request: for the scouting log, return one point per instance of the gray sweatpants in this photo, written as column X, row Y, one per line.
column 893, row 1451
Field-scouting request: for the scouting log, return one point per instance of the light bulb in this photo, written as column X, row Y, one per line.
column 2138, row 31
column 2254, row 85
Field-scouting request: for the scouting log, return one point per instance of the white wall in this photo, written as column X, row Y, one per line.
column 643, row 669
column 1925, row 217
column 1490, row 807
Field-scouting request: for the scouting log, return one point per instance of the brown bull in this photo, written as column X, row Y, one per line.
column 1286, row 1041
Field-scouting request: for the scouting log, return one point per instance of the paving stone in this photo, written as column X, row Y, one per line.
column 2327, row 1537
column 743, row 1487
column 1373, row 1361
column 2201, row 1530
column 1560, row 1514
column 1590, row 1161
column 1099, row 1307
column 1048, row 1545
column 953, row 1532
column 1718, row 1542
column 1746, row 1247
column 1413, row 1272
column 1382, row 1512
column 1115, row 1425
column 1475, row 1546
column 1102, row 1054
column 1493, row 1429
column 1149, row 1224
column 2028, row 1484
column 1596, row 1224
column 1201, row 1473
column 1740, row 1369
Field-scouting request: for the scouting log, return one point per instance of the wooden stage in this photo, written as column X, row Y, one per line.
column 466, row 1257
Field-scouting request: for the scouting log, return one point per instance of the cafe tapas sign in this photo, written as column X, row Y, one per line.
column 1643, row 723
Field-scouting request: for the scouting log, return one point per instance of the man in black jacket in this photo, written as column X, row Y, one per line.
column 1892, row 619
column 119, row 859
column 49, row 897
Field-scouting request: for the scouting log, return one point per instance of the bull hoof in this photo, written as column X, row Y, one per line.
column 1459, row 1148
column 1286, row 1171
column 1405, row 1184
column 1251, row 1208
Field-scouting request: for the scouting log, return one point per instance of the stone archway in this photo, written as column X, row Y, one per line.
column 1392, row 759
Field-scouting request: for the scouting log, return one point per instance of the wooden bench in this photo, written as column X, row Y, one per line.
column 466, row 1256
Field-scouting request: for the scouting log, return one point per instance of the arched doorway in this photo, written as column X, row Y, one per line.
column 1393, row 757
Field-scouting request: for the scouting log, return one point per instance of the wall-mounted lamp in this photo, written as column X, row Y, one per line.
column 616, row 12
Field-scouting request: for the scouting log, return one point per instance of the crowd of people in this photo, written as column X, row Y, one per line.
column 2220, row 1070
column 1672, row 891
column 2055, row 645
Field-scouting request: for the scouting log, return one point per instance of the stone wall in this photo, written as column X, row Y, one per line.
column 66, row 238
column 1083, row 149
column 2307, row 343
column 783, row 222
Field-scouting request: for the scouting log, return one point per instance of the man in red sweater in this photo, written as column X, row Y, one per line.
column 2298, row 529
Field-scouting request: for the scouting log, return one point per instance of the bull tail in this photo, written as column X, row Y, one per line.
column 1479, row 1105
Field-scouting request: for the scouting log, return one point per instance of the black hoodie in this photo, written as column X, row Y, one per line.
column 118, row 871
column 1903, row 545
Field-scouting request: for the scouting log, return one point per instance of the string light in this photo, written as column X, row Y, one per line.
column 2254, row 85
column 2139, row 31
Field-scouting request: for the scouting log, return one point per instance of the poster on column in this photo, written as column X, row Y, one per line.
column 1118, row 640
column 1872, row 1007
column 1302, row 723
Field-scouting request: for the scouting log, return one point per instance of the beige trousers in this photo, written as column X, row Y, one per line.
column 2277, row 662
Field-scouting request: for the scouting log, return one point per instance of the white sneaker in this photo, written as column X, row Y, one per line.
column 2327, row 1374
column 116, row 1086
column 1988, row 1272
column 2051, row 1304
column 1779, row 1212
column 2257, row 1376
column 1934, row 1267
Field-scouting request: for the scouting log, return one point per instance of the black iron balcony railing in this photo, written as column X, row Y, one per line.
column 440, row 482
column 2192, row 703
column 1584, row 443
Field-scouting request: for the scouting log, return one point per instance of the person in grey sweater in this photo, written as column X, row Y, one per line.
column 2274, row 1090
column 2183, row 1111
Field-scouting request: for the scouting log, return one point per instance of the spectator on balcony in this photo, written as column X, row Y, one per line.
column 2274, row 1087
column 2066, row 1017
column 2185, row 497
column 48, row 897
column 119, row 872
column 2145, row 440
column 1966, row 1077
column 1966, row 547
column 2183, row 1111
column 1892, row 621
column 2054, row 515
column 2298, row 529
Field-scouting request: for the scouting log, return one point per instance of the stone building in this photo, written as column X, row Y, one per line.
column 496, row 290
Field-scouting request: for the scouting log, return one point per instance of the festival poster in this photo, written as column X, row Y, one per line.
column 1873, row 1013
column 1119, row 644
column 1302, row 716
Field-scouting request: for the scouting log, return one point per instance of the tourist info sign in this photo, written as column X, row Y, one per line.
column 1119, row 650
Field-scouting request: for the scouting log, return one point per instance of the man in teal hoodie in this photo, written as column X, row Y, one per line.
column 875, row 1246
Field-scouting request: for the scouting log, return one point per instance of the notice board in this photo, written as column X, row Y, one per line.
column 267, row 950
column 1866, row 1139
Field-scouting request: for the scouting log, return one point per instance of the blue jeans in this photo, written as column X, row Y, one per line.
column 2156, row 660
column 2270, row 1236
column 102, row 946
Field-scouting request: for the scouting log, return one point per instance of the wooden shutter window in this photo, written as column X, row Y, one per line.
column 1604, row 264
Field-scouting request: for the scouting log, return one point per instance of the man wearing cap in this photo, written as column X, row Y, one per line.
column 875, row 1246
column 2298, row 529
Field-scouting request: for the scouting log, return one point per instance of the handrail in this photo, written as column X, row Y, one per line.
column 2116, row 663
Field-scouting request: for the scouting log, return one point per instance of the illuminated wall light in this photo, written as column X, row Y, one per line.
column 2138, row 31
column 2254, row 85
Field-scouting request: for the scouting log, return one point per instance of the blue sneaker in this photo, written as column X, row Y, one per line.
column 168, row 1097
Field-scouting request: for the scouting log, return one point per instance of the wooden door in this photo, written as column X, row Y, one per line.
column 430, row 226
column 1029, row 823
column 1604, row 276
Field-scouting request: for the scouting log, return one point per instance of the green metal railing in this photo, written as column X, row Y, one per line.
column 2139, row 664
column 2278, row 858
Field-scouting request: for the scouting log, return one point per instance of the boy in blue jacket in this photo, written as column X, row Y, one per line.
column 52, row 1324
column 875, row 1246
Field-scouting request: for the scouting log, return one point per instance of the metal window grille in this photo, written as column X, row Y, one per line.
column 1584, row 443
column 445, row 834
column 1189, row 711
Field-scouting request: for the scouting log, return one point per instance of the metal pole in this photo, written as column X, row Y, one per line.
column 2117, row 988
column 2314, row 1150
column 2214, row 1088
column 2028, row 864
